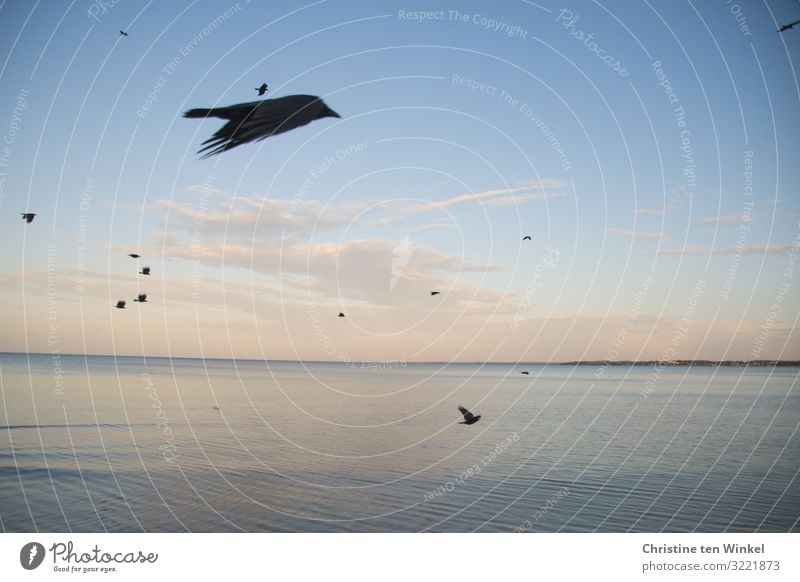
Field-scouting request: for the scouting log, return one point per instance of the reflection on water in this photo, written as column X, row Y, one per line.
column 129, row 444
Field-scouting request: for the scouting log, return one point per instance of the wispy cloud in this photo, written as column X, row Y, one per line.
column 637, row 234
column 260, row 217
column 512, row 200
column 744, row 250
column 359, row 269
column 485, row 196
column 649, row 211
column 726, row 219
column 434, row 226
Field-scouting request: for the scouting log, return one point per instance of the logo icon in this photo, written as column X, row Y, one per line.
column 31, row 555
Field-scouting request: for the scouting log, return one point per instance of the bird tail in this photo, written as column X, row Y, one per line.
column 194, row 113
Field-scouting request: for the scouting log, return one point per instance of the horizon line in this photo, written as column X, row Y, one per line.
column 396, row 361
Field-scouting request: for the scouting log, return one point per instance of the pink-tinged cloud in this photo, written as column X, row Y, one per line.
column 637, row 234
column 539, row 186
column 434, row 226
column 513, row 200
column 726, row 219
column 743, row 250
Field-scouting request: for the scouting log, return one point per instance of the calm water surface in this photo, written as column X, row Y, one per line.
column 130, row 444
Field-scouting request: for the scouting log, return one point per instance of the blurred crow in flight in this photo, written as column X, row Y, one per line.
column 258, row 120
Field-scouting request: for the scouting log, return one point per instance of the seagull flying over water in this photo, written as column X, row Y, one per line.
column 28, row 216
column 263, row 89
column 469, row 418
column 259, row 120
column 788, row 26
column 120, row 304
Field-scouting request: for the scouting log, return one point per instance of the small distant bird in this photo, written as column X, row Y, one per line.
column 526, row 373
column 215, row 407
column 141, row 298
column 435, row 293
column 145, row 271
column 120, row 304
column 259, row 120
column 469, row 418
column 123, row 33
column 263, row 89
column 788, row 26
column 27, row 216
column 134, row 256
column 526, row 238
column 341, row 314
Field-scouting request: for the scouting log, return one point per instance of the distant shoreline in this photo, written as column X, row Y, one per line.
column 672, row 363
column 707, row 363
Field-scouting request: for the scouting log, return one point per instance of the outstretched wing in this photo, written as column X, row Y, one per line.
column 257, row 120
column 467, row 414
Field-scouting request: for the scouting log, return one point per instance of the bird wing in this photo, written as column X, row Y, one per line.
column 467, row 414
column 257, row 120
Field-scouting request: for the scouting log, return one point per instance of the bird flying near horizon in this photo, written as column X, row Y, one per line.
column 435, row 293
column 526, row 238
column 134, row 255
column 262, row 89
column 259, row 120
column 469, row 418
column 145, row 271
column 788, row 26
column 341, row 314
column 141, row 298
column 28, row 216
column 120, row 304
column 123, row 33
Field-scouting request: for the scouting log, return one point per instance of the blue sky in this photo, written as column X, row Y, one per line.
column 464, row 127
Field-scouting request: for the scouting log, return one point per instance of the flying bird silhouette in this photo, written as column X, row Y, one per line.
column 789, row 26
column 263, row 89
column 123, row 33
column 28, row 216
column 469, row 418
column 141, row 298
column 134, row 256
column 435, row 293
column 341, row 314
column 259, row 120
column 526, row 373
column 120, row 304
column 526, row 238
column 145, row 271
